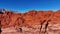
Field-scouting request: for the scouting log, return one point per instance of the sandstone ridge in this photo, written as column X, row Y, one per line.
column 44, row 21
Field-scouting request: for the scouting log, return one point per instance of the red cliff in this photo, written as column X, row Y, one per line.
column 45, row 21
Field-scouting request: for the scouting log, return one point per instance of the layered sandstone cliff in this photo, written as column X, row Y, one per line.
column 31, row 22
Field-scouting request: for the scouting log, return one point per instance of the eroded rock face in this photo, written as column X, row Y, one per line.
column 32, row 22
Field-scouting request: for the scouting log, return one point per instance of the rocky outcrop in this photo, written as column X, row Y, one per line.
column 31, row 22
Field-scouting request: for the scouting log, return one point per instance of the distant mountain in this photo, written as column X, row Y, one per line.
column 1, row 11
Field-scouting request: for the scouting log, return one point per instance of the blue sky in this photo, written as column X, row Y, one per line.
column 25, row 5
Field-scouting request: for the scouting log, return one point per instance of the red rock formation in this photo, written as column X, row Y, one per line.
column 37, row 22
